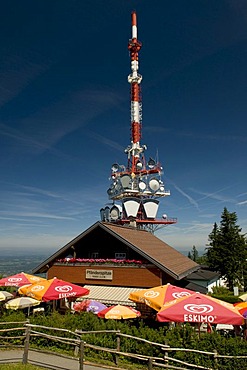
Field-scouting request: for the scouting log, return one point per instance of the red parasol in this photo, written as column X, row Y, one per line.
column 20, row 279
column 53, row 289
column 198, row 308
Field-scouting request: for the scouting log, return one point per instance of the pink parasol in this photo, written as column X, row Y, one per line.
column 20, row 279
column 198, row 308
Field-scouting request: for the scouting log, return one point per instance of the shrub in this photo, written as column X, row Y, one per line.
column 180, row 336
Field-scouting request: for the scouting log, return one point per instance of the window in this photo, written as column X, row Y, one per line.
column 95, row 255
column 120, row 256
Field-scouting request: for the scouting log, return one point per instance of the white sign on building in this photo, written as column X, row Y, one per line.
column 99, row 274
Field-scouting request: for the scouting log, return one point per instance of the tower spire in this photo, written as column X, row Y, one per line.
column 138, row 185
column 135, row 79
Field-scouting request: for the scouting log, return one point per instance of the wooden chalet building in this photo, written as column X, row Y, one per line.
column 113, row 260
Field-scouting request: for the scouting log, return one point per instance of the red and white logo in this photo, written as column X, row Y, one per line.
column 63, row 289
column 177, row 295
column 15, row 280
column 198, row 308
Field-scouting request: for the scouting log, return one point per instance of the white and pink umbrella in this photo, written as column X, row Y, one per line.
column 200, row 308
column 20, row 279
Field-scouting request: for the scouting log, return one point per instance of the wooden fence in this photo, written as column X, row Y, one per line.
column 75, row 340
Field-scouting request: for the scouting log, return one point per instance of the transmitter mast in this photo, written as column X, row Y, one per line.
column 138, row 185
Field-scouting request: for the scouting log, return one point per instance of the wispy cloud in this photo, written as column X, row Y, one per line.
column 106, row 141
column 33, row 214
column 242, row 203
column 16, row 78
column 215, row 195
column 53, row 123
column 187, row 196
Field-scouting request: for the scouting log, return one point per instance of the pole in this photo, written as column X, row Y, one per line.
column 26, row 345
column 81, row 358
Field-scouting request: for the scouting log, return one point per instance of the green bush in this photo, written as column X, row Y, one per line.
column 180, row 336
column 227, row 298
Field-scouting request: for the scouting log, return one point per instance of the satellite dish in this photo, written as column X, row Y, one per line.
column 154, row 184
column 139, row 165
column 110, row 191
column 102, row 214
column 151, row 163
column 126, row 181
column 142, row 185
column 107, row 213
column 115, row 167
column 150, row 207
column 115, row 212
column 131, row 206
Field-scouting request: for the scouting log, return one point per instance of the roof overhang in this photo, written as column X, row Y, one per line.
column 109, row 295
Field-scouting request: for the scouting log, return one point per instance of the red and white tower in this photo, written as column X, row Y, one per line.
column 138, row 185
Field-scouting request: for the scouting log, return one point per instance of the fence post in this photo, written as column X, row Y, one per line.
column 150, row 363
column 118, row 349
column 215, row 359
column 26, row 345
column 81, row 358
column 166, row 355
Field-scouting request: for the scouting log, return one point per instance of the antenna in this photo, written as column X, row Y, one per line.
column 138, row 185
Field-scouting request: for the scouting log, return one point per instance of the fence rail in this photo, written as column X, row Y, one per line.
column 76, row 341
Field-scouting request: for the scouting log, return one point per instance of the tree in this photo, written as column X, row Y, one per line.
column 193, row 254
column 227, row 251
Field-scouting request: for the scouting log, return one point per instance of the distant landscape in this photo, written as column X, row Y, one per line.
column 15, row 261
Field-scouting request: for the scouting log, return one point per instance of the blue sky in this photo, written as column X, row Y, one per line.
column 65, row 113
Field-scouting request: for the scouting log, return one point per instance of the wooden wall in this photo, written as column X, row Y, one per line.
column 130, row 276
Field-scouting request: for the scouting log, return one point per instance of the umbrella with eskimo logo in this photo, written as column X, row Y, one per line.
column 119, row 312
column 53, row 289
column 20, row 279
column 157, row 296
column 199, row 308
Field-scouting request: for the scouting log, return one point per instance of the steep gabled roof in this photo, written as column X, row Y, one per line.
column 162, row 255
column 154, row 250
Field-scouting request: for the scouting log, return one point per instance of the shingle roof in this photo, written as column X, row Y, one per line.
column 196, row 288
column 203, row 274
column 157, row 252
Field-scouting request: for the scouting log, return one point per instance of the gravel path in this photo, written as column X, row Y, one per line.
column 48, row 361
